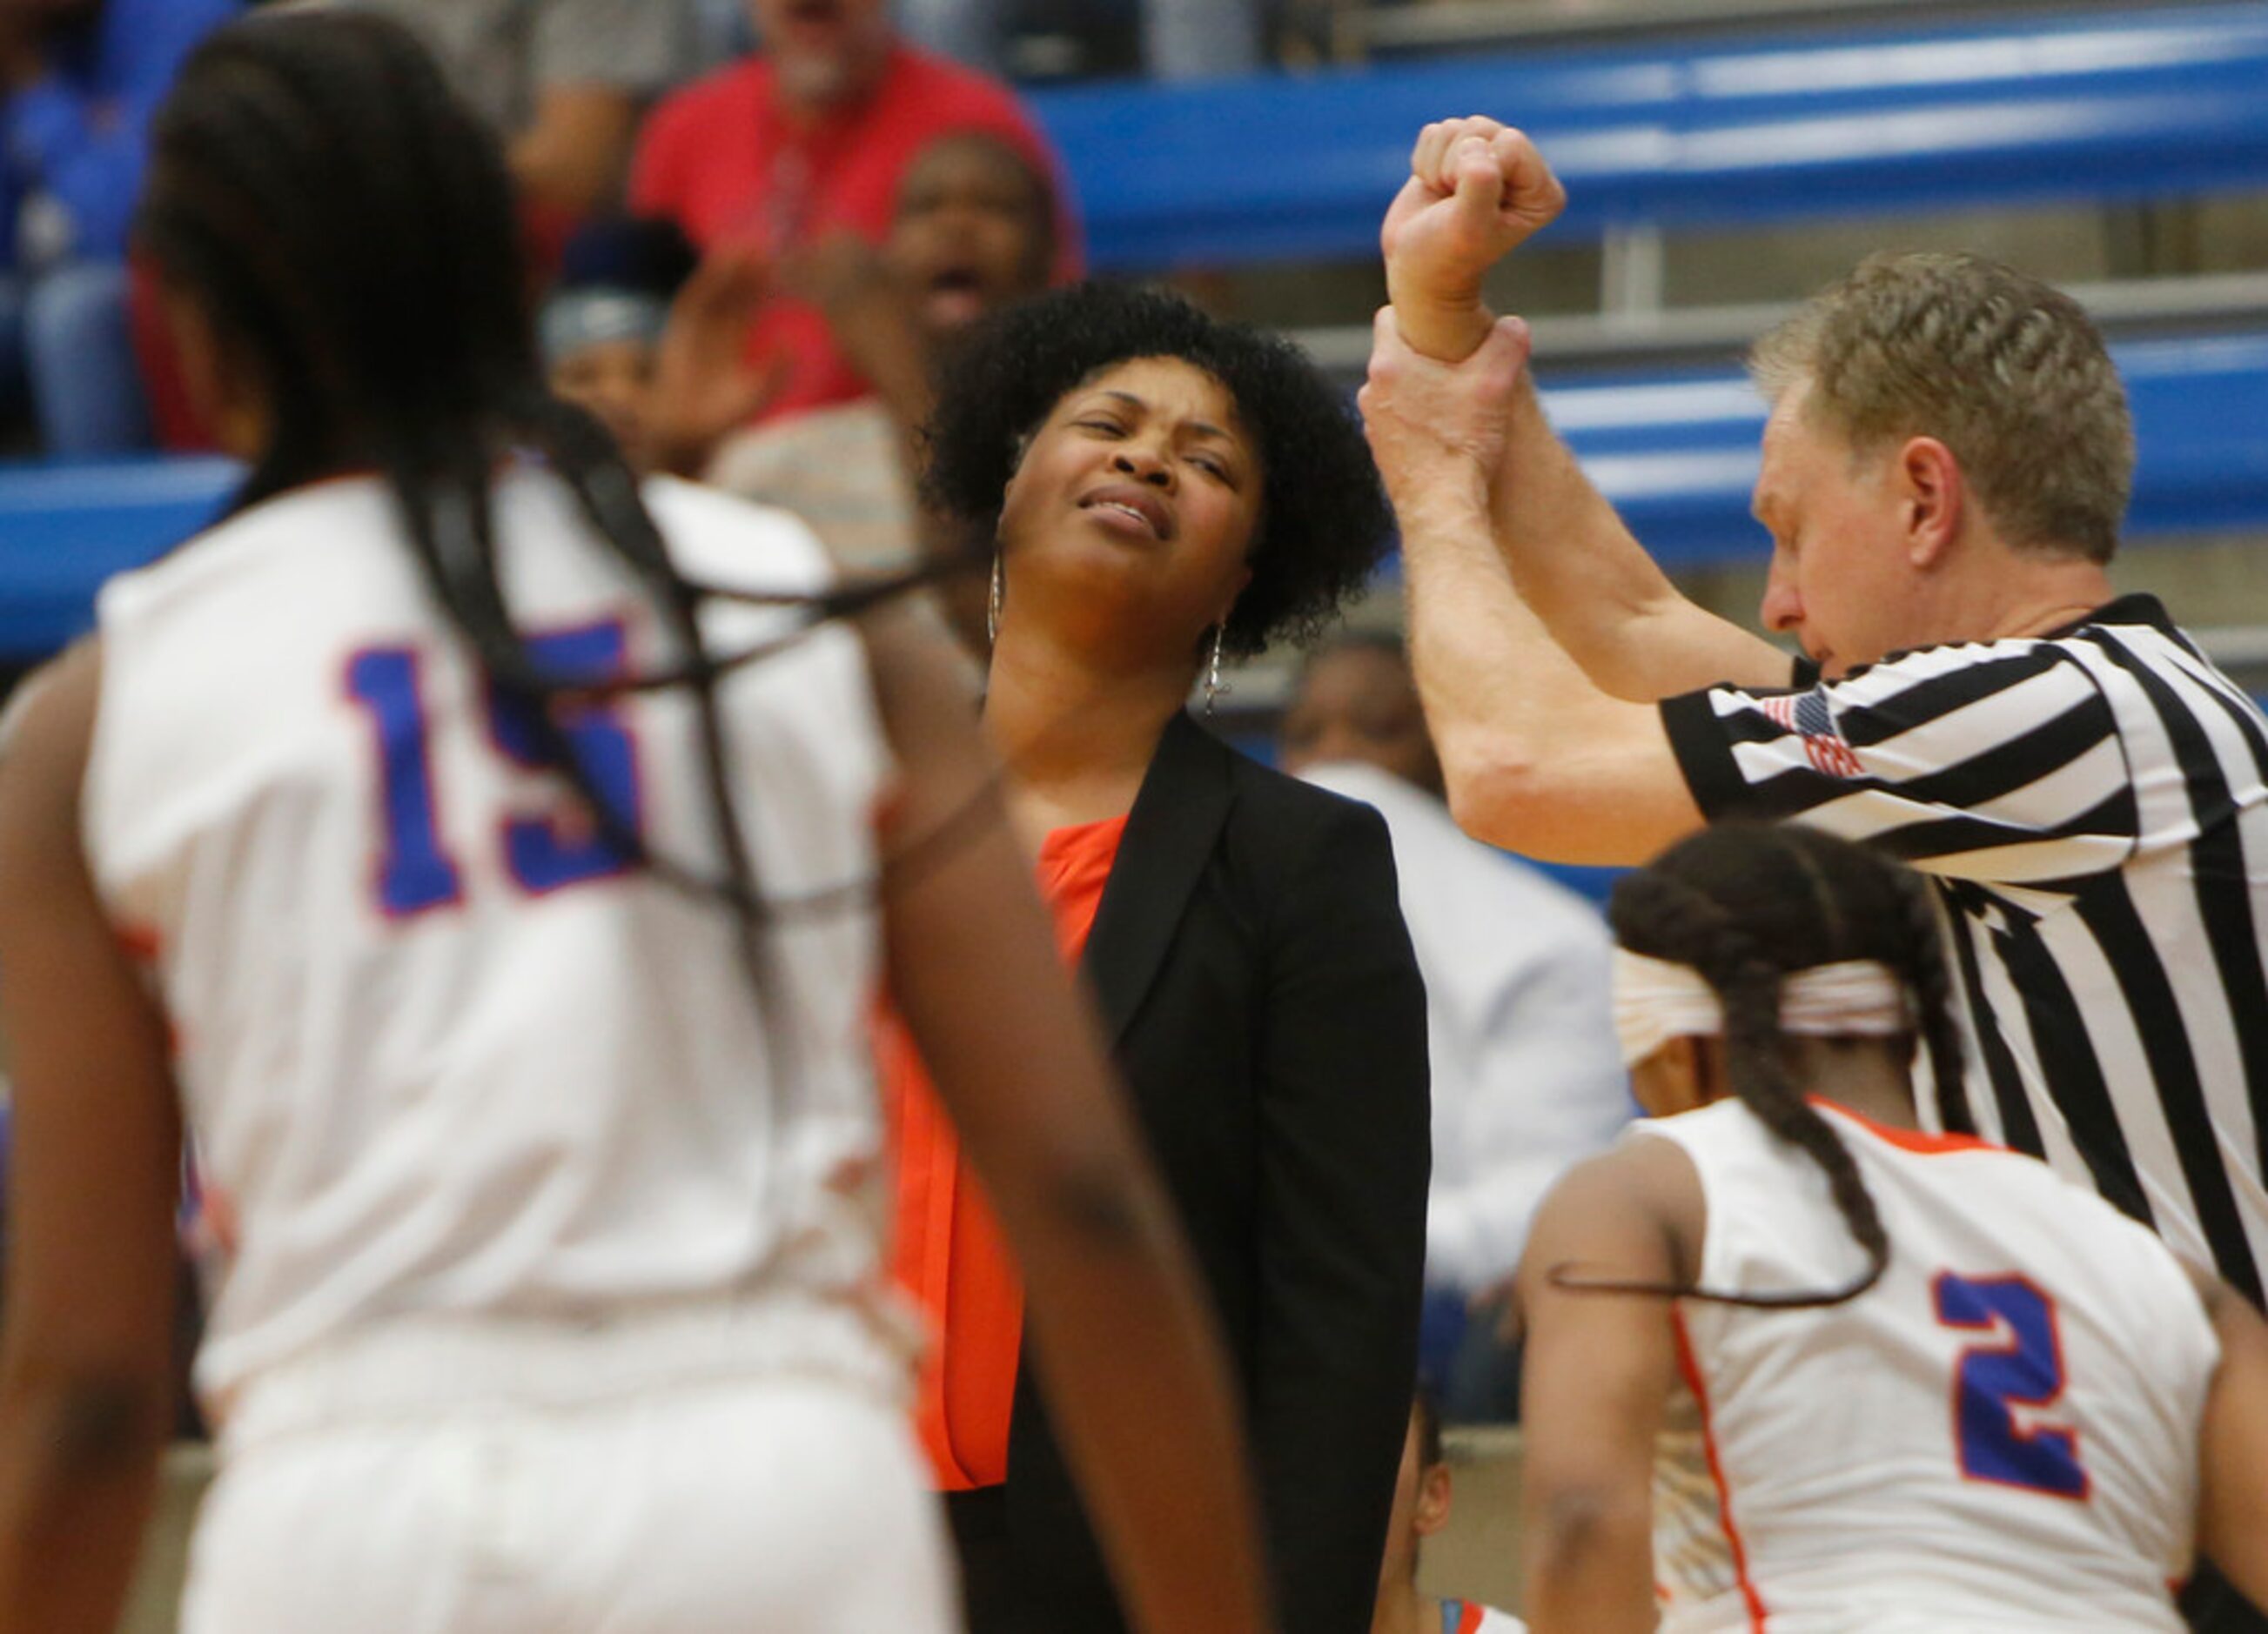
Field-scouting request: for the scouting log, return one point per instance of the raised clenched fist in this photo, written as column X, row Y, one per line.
column 1477, row 189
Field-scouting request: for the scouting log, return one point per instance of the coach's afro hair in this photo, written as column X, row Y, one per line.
column 1325, row 521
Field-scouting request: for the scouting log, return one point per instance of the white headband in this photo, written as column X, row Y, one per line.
column 1656, row 1001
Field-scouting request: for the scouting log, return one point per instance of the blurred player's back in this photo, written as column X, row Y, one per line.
column 546, row 1087
column 549, row 1220
column 2001, row 1434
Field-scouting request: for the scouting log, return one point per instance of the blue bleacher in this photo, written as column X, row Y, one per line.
column 1676, row 454
column 2155, row 102
column 2158, row 102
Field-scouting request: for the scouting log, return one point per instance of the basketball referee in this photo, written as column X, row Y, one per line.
column 1944, row 474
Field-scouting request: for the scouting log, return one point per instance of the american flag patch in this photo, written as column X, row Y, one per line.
column 1805, row 714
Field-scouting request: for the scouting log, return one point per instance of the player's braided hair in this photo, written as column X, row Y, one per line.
column 350, row 227
column 1745, row 905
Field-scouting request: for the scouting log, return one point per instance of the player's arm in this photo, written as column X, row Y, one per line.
column 2233, row 1516
column 1476, row 191
column 85, row 1342
column 1133, row 1365
column 1595, row 1377
column 1537, row 757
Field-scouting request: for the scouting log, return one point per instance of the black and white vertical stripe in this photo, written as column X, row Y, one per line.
column 2093, row 808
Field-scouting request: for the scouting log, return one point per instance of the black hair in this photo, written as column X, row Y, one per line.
column 349, row 228
column 1325, row 521
column 1747, row 904
column 642, row 255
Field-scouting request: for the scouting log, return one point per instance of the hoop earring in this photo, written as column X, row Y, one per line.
column 992, row 602
column 1215, row 688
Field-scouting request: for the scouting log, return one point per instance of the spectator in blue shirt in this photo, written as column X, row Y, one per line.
column 79, row 80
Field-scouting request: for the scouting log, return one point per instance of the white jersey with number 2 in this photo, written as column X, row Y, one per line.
column 2001, row 1435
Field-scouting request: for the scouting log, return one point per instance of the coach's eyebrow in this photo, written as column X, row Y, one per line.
column 1203, row 428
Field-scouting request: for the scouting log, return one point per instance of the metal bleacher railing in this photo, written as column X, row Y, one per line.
column 2155, row 103
column 1677, row 452
column 2149, row 103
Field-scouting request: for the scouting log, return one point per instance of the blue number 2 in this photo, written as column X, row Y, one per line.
column 2020, row 1365
column 415, row 872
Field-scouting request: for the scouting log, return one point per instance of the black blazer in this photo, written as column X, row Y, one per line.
column 1258, row 984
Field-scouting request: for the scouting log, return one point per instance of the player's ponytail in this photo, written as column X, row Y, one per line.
column 1745, row 906
column 349, row 228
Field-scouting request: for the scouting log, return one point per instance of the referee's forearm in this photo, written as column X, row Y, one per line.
column 1604, row 600
column 1498, row 691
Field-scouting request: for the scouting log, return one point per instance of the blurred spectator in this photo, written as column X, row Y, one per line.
column 974, row 230
column 813, row 139
column 602, row 328
column 1200, row 39
column 1181, row 39
column 563, row 81
column 1422, row 1493
column 722, row 33
column 1527, row 1074
column 79, row 80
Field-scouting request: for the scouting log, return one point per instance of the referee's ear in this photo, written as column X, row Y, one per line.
column 1932, row 498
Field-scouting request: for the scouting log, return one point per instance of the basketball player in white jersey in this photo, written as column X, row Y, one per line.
column 519, row 1006
column 1423, row 1490
column 1793, row 1365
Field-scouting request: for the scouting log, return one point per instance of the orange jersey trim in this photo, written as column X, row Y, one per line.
column 1691, row 1369
column 1908, row 1139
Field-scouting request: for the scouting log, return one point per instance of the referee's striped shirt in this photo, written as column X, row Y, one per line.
column 2093, row 807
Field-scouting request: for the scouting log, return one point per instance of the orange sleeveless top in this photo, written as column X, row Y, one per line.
column 947, row 1249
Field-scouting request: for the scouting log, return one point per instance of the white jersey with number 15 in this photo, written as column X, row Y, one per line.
column 445, row 1049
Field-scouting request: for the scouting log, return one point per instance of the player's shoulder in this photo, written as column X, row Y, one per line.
column 47, row 730
column 343, row 513
column 1650, row 1162
column 1995, row 1182
column 722, row 539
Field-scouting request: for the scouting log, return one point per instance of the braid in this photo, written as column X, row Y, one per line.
column 1759, row 1073
column 1745, row 905
column 349, row 226
column 1679, row 921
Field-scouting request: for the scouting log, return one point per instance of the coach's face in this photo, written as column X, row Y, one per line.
column 1843, row 581
column 1128, row 522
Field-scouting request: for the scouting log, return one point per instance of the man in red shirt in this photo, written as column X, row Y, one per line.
column 809, row 139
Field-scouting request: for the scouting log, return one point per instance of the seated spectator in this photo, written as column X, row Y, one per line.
column 1422, row 1492
column 79, row 82
column 1527, row 1076
column 563, row 81
column 811, row 139
column 974, row 230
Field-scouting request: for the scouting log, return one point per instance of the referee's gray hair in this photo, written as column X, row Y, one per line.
column 2008, row 372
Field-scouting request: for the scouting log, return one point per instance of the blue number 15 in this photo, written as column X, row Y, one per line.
column 543, row 851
